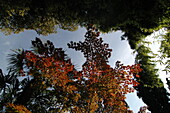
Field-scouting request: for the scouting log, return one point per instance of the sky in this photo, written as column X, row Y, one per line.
column 120, row 51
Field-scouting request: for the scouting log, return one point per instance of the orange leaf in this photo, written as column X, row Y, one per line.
column 137, row 76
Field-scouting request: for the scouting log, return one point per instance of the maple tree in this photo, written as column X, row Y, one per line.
column 52, row 84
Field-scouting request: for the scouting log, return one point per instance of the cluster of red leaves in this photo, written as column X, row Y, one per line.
column 93, row 48
column 54, row 70
column 109, row 85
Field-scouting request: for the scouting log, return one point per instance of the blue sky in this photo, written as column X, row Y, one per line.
column 121, row 50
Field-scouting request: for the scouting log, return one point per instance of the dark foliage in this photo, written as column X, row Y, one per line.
column 135, row 18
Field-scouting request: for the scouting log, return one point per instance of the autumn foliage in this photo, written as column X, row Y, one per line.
column 12, row 108
column 96, row 88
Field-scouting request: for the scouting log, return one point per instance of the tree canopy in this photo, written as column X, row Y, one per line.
column 49, row 82
column 151, row 88
column 135, row 18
